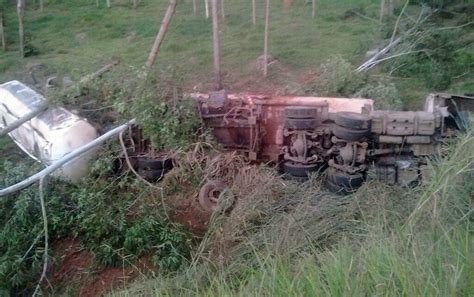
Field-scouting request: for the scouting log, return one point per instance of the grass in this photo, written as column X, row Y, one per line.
column 297, row 41
column 379, row 242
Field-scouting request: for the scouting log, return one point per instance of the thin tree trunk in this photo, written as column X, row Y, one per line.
column 161, row 34
column 265, row 42
column 109, row 4
column 222, row 8
column 390, row 7
column 382, row 10
column 194, row 7
column 254, row 12
column 216, row 45
column 97, row 3
column 41, row 3
column 20, row 9
column 135, row 3
column 313, row 13
column 2, row 33
column 206, row 4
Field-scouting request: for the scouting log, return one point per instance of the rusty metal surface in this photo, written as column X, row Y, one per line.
column 253, row 123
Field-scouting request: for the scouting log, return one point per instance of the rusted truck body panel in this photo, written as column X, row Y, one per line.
column 253, row 124
column 346, row 137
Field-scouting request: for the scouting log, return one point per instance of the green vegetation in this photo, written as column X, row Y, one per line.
column 281, row 238
column 116, row 218
column 379, row 242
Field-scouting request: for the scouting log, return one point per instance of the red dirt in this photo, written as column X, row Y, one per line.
column 75, row 269
column 188, row 212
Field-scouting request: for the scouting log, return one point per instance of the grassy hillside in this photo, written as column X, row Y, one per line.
column 281, row 238
column 73, row 38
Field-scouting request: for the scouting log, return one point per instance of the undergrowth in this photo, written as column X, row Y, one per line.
column 115, row 217
column 300, row 241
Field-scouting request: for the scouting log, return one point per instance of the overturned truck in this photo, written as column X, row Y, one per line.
column 347, row 138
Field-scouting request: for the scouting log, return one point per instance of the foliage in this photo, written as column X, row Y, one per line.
column 116, row 218
column 340, row 78
column 21, row 236
column 380, row 241
column 385, row 94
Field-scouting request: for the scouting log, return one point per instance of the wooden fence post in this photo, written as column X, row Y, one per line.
column 265, row 42
column 159, row 37
column 216, row 45
column 254, row 12
column 2, row 33
column 20, row 9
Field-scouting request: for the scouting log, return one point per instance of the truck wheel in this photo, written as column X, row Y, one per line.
column 353, row 120
column 333, row 188
column 349, row 181
column 301, row 112
column 349, row 134
column 151, row 175
column 209, row 194
column 301, row 124
column 154, row 163
column 299, row 179
column 299, row 170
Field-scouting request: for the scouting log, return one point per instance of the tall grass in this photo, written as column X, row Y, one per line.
column 381, row 241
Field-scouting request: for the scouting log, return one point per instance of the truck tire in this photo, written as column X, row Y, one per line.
column 301, row 124
column 151, row 175
column 349, row 134
column 299, row 170
column 352, row 120
column 209, row 194
column 301, row 112
column 154, row 163
column 348, row 181
column 333, row 188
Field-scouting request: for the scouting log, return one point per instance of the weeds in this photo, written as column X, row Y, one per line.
column 380, row 241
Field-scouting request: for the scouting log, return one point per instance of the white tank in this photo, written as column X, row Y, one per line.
column 49, row 136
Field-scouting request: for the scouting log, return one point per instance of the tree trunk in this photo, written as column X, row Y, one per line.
column 97, row 3
column 382, row 10
column 194, row 7
column 135, row 4
column 265, row 42
column 161, row 34
column 222, row 8
column 206, row 4
column 20, row 9
column 2, row 33
column 216, row 45
column 313, row 13
column 109, row 5
column 41, row 3
column 254, row 13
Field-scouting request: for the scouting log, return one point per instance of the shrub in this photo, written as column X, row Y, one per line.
column 385, row 94
column 340, row 78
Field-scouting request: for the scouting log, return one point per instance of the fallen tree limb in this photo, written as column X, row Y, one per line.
column 371, row 62
column 69, row 157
